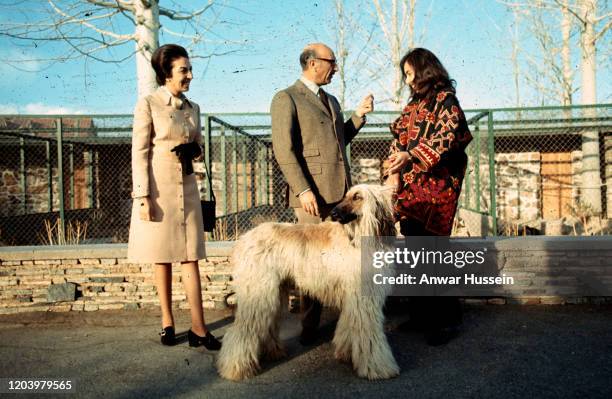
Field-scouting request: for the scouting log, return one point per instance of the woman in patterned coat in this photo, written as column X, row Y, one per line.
column 166, row 225
column 427, row 163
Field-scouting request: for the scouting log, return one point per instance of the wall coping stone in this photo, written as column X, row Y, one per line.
column 224, row 248
column 89, row 251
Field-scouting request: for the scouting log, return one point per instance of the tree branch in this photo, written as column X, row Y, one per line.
column 571, row 11
column 178, row 16
column 118, row 4
column 603, row 30
column 85, row 23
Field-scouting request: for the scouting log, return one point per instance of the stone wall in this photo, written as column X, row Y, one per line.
column 36, row 177
column 366, row 171
column 518, row 185
column 96, row 277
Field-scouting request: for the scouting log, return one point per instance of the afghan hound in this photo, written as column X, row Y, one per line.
column 325, row 262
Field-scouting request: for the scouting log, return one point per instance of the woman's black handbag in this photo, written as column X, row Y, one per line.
column 209, row 207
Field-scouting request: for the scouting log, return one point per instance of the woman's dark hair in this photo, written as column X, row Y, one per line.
column 162, row 61
column 430, row 76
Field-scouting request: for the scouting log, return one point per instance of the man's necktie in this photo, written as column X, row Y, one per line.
column 323, row 98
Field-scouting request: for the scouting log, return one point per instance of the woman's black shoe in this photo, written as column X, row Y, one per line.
column 167, row 336
column 209, row 341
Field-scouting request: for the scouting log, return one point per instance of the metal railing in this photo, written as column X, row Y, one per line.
column 531, row 170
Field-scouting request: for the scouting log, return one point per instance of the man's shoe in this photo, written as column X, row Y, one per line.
column 309, row 336
column 441, row 336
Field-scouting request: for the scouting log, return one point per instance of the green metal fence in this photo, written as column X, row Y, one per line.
column 544, row 170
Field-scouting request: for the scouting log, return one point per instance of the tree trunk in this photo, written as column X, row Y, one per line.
column 342, row 51
column 566, row 58
column 591, row 181
column 396, row 48
column 146, row 15
column 516, row 71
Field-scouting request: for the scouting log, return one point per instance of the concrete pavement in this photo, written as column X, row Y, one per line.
column 504, row 351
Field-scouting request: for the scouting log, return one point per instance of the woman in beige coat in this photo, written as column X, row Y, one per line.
column 166, row 224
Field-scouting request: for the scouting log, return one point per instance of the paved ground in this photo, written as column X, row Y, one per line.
column 504, row 351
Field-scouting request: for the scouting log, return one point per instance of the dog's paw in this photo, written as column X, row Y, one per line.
column 379, row 373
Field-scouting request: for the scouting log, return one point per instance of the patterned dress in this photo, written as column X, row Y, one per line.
column 435, row 133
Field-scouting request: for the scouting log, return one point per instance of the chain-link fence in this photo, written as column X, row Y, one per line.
column 64, row 180
column 545, row 170
column 530, row 171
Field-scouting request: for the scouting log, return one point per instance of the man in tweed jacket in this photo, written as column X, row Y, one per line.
column 309, row 137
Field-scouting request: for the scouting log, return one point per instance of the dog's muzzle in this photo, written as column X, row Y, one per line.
column 338, row 215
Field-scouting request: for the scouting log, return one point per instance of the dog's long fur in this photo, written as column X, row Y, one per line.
column 323, row 261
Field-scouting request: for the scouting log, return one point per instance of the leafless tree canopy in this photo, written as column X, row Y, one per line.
column 100, row 29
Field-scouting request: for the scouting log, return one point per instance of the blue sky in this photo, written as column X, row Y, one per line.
column 471, row 37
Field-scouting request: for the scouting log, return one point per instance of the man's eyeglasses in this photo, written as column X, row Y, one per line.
column 331, row 61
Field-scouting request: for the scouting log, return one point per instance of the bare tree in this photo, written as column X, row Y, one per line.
column 549, row 71
column 585, row 14
column 585, row 11
column 93, row 28
column 395, row 21
column 350, row 46
column 341, row 48
column 566, row 55
column 516, row 68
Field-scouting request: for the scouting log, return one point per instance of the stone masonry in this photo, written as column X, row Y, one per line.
column 97, row 277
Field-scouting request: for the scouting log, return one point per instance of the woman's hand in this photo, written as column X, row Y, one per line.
column 397, row 161
column 145, row 209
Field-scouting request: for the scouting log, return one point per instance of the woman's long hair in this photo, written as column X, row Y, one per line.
column 430, row 76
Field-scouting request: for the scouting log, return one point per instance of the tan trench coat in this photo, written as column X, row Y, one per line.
column 310, row 143
column 176, row 232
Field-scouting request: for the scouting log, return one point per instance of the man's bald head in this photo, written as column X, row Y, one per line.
column 318, row 63
column 313, row 51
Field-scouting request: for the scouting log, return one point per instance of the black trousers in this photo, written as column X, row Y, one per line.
column 431, row 313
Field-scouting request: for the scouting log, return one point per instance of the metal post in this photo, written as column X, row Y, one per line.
column 235, row 171
column 477, row 167
column 71, row 158
column 245, row 202
column 223, row 171
column 22, row 175
column 60, row 179
column 348, row 155
column 49, row 176
column 97, row 177
column 492, row 182
column 267, row 174
column 260, row 188
column 90, row 177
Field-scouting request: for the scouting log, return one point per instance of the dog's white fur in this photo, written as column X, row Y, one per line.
column 324, row 262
